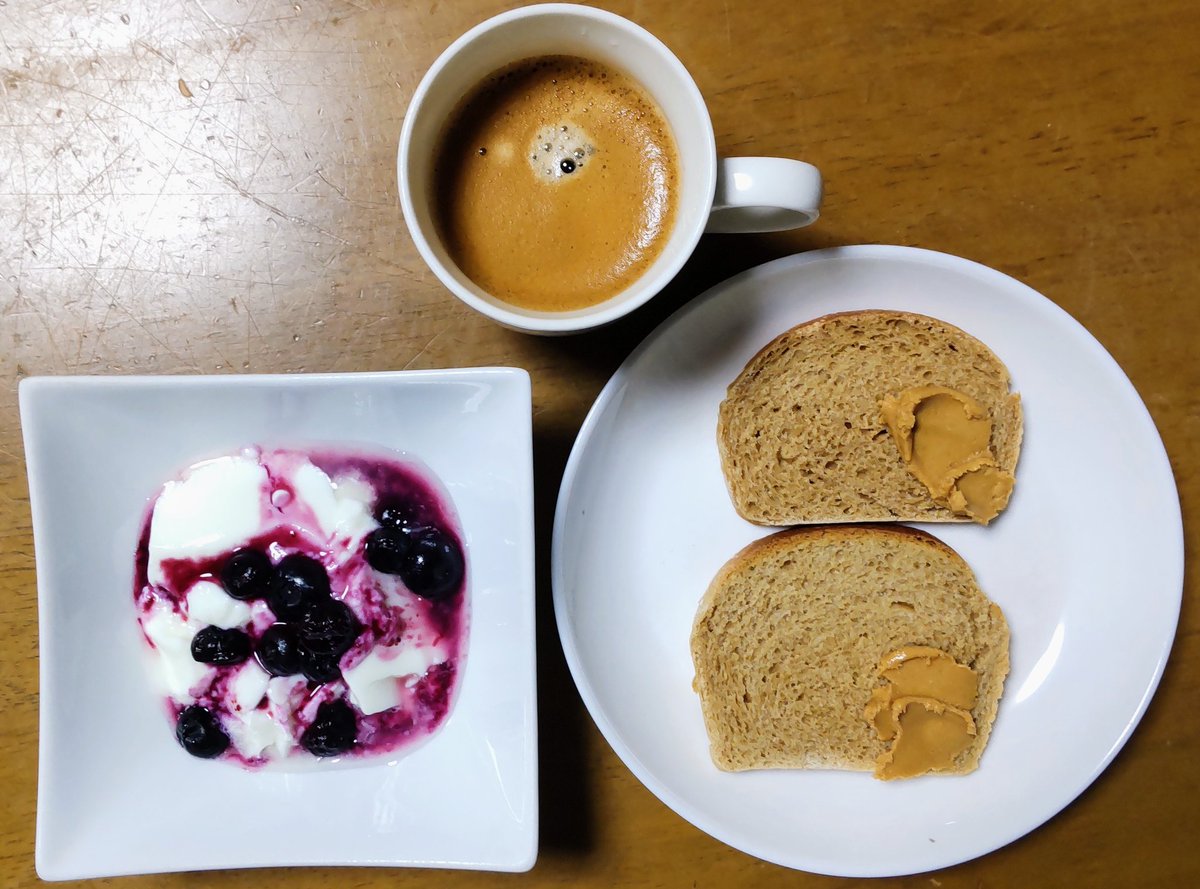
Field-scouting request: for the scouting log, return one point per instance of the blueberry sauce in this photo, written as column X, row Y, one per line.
column 293, row 626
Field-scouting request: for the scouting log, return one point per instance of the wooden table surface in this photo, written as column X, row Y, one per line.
column 209, row 187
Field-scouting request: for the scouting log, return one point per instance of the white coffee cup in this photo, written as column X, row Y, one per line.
column 739, row 194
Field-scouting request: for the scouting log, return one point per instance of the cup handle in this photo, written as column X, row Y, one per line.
column 764, row 194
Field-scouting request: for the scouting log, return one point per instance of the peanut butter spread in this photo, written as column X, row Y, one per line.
column 923, row 708
column 930, row 735
column 944, row 438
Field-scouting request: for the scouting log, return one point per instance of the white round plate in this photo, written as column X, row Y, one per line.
column 1087, row 563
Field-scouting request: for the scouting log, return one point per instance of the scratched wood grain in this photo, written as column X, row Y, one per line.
column 208, row 187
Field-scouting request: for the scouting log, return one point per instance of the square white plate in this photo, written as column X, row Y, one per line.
column 116, row 793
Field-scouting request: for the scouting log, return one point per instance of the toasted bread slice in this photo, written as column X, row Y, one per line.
column 788, row 639
column 800, row 432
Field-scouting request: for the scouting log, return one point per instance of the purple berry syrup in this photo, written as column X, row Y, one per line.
column 388, row 612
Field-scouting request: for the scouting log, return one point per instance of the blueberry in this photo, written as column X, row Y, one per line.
column 279, row 651
column 397, row 514
column 298, row 580
column 320, row 667
column 247, row 574
column 332, row 732
column 212, row 645
column 386, row 549
column 433, row 566
column 328, row 627
column 198, row 731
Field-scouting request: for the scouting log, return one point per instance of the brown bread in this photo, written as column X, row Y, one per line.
column 800, row 434
column 788, row 638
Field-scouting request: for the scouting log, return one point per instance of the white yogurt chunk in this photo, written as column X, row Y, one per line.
column 249, row 685
column 208, row 603
column 280, row 689
column 374, row 682
column 284, row 697
column 216, row 508
column 172, row 640
column 255, row 731
column 341, row 508
column 252, row 730
column 354, row 499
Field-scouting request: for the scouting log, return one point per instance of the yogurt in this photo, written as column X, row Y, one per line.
column 303, row 605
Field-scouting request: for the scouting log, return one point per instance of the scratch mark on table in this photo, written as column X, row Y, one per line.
column 423, row 350
column 221, row 25
column 179, row 153
column 83, row 188
column 88, row 118
column 341, row 192
column 151, row 48
column 24, row 222
column 251, row 322
column 271, row 208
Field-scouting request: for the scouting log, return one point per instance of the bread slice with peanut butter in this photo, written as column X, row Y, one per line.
column 814, row 647
column 845, row 418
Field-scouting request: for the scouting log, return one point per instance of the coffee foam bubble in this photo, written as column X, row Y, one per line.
column 560, row 152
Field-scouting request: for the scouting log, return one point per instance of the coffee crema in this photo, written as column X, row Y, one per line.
column 556, row 183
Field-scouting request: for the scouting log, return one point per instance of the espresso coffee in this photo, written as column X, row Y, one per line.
column 556, row 183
